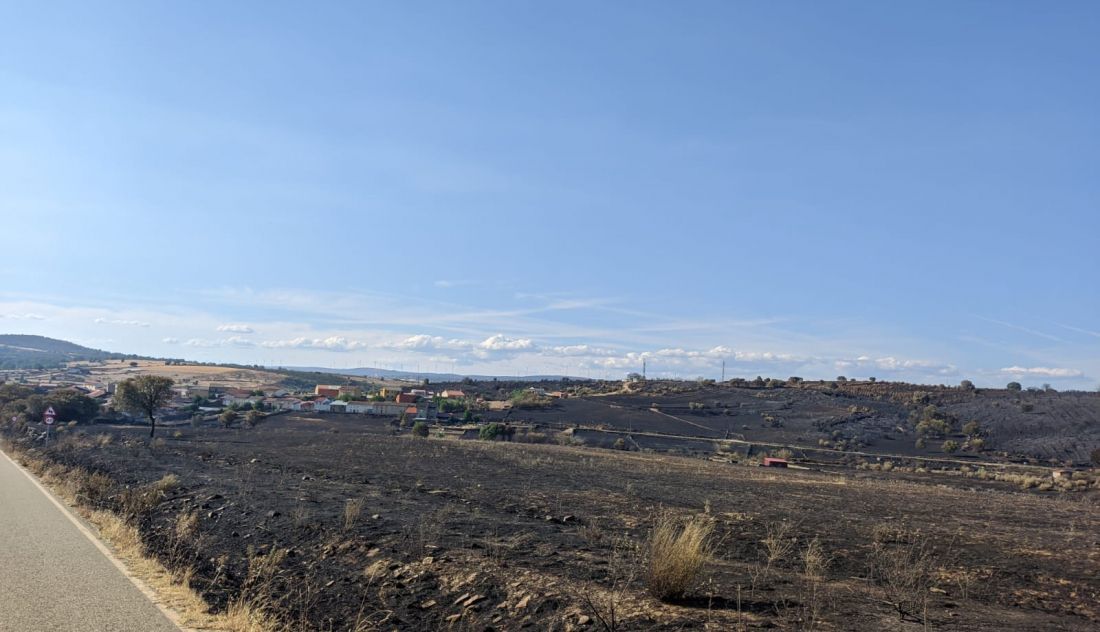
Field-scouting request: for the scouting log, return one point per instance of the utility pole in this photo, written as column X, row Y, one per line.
column 643, row 368
column 723, row 370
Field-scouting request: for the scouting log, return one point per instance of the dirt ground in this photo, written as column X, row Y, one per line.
column 118, row 370
column 363, row 529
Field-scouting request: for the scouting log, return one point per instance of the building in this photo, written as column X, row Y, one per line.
column 325, row 390
column 389, row 391
column 406, row 398
column 774, row 462
column 453, row 394
column 322, row 405
column 387, row 409
column 359, row 406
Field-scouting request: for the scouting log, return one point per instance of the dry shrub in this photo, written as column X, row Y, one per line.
column 778, row 542
column 676, row 551
column 352, row 508
column 94, row 490
column 103, row 440
column 251, row 610
column 301, row 515
column 167, row 483
column 815, row 562
column 135, row 502
column 903, row 563
column 605, row 605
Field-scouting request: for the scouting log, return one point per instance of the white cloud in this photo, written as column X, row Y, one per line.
column 27, row 316
column 332, row 343
column 1042, row 371
column 500, row 342
column 236, row 329
column 577, row 351
column 495, row 345
column 424, row 342
column 122, row 322
column 170, row 340
column 237, row 341
column 201, row 342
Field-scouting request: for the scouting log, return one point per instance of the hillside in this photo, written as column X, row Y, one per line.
column 881, row 418
column 30, row 352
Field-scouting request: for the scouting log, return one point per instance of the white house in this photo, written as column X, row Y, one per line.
column 360, row 407
column 322, row 405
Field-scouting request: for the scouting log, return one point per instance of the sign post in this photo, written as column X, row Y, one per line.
column 48, row 417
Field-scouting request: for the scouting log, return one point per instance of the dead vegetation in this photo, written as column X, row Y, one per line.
column 676, row 551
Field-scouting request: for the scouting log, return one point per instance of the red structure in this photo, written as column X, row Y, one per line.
column 773, row 462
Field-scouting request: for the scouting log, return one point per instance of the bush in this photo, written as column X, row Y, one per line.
column 1014, row 386
column 950, row 446
column 493, row 431
column 252, row 418
column 420, row 429
column 676, row 552
column 227, row 417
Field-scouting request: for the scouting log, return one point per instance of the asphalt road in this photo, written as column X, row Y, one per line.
column 52, row 577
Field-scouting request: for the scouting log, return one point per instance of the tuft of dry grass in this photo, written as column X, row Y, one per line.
column 676, row 551
column 167, row 483
column 352, row 508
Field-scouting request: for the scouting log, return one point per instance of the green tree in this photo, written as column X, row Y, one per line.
column 1014, row 386
column 489, row 432
column 227, row 417
column 966, row 385
column 420, row 429
column 971, row 428
column 144, row 395
column 950, row 446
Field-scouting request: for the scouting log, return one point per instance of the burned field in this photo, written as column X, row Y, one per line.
column 1039, row 427
column 337, row 523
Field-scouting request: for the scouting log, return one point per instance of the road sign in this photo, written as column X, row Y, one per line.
column 49, row 415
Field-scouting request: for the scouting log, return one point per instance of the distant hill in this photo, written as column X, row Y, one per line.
column 434, row 377
column 30, row 352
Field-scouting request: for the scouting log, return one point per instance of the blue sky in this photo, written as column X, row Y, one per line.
column 907, row 190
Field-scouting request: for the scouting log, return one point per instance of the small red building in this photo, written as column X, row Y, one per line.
column 327, row 391
column 774, row 462
column 407, row 398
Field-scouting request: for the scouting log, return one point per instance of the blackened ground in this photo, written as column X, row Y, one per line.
column 469, row 534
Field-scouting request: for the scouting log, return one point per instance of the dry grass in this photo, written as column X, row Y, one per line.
column 352, row 508
column 676, row 552
column 904, row 563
